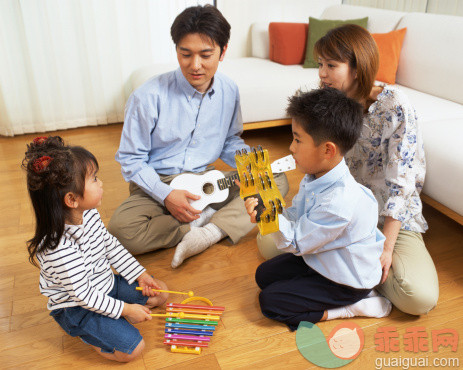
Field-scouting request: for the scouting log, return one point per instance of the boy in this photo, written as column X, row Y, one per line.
column 329, row 234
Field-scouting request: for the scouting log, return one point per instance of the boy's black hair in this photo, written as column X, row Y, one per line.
column 328, row 115
column 206, row 20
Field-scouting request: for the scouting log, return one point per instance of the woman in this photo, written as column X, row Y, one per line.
column 388, row 159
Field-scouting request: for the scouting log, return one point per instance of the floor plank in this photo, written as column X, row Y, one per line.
column 224, row 273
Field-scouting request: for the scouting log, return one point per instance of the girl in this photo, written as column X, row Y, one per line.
column 388, row 159
column 75, row 252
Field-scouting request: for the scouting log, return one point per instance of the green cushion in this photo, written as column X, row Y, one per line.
column 318, row 28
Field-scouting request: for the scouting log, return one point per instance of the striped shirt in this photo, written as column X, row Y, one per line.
column 78, row 272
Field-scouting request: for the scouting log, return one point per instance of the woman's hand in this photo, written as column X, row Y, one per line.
column 386, row 262
column 147, row 282
column 391, row 230
column 135, row 313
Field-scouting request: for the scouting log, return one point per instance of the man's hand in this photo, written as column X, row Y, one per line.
column 135, row 313
column 179, row 207
column 147, row 282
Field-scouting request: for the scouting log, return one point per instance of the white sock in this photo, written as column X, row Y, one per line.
column 373, row 293
column 198, row 239
column 204, row 217
column 376, row 306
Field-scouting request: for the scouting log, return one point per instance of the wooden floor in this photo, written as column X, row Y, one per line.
column 29, row 338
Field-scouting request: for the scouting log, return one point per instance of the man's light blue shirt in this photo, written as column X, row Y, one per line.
column 332, row 224
column 171, row 128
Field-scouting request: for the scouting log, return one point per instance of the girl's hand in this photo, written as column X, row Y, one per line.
column 251, row 204
column 147, row 282
column 136, row 313
column 386, row 262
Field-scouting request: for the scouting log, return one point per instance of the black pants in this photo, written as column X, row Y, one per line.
column 293, row 292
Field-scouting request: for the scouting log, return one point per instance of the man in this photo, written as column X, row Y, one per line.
column 181, row 122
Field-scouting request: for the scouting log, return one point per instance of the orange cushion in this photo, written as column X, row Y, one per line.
column 389, row 45
column 287, row 42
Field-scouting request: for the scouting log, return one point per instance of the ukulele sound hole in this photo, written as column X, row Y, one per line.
column 208, row 188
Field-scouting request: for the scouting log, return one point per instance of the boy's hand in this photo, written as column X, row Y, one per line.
column 135, row 313
column 147, row 282
column 251, row 204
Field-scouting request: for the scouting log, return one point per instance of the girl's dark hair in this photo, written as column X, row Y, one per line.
column 206, row 20
column 355, row 46
column 53, row 169
column 328, row 115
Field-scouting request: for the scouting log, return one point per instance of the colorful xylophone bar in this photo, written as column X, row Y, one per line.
column 185, row 335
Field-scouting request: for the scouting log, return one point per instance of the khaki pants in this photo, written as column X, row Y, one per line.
column 142, row 224
column 412, row 284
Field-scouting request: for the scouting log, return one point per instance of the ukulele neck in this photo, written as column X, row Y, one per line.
column 227, row 182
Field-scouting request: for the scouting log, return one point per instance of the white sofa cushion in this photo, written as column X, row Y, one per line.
column 141, row 75
column 265, row 86
column 444, row 174
column 379, row 20
column 432, row 108
column 260, row 47
column 431, row 55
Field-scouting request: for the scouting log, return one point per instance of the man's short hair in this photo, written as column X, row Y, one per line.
column 206, row 20
column 328, row 115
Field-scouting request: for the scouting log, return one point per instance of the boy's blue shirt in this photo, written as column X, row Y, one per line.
column 332, row 224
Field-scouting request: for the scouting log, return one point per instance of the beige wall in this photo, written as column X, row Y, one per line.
column 242, row 13
column 450, row 7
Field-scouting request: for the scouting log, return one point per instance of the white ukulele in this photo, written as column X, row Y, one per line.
column 213, row 186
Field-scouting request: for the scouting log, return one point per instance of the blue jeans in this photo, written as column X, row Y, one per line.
column 102, row 331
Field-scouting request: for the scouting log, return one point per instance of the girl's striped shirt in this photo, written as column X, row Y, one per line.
column 78, row 272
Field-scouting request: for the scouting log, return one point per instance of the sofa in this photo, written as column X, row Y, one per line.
column 429, row 71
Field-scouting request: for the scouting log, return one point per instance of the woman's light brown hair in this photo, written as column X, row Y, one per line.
column 354, row 45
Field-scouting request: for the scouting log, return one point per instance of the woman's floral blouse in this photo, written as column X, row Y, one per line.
column 389, row 159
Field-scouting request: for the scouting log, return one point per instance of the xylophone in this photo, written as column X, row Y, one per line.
column 189, row 332
column 189, row 327
column 256, row 177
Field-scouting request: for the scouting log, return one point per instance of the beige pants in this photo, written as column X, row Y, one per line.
column 412, row 284
column 142, row 224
